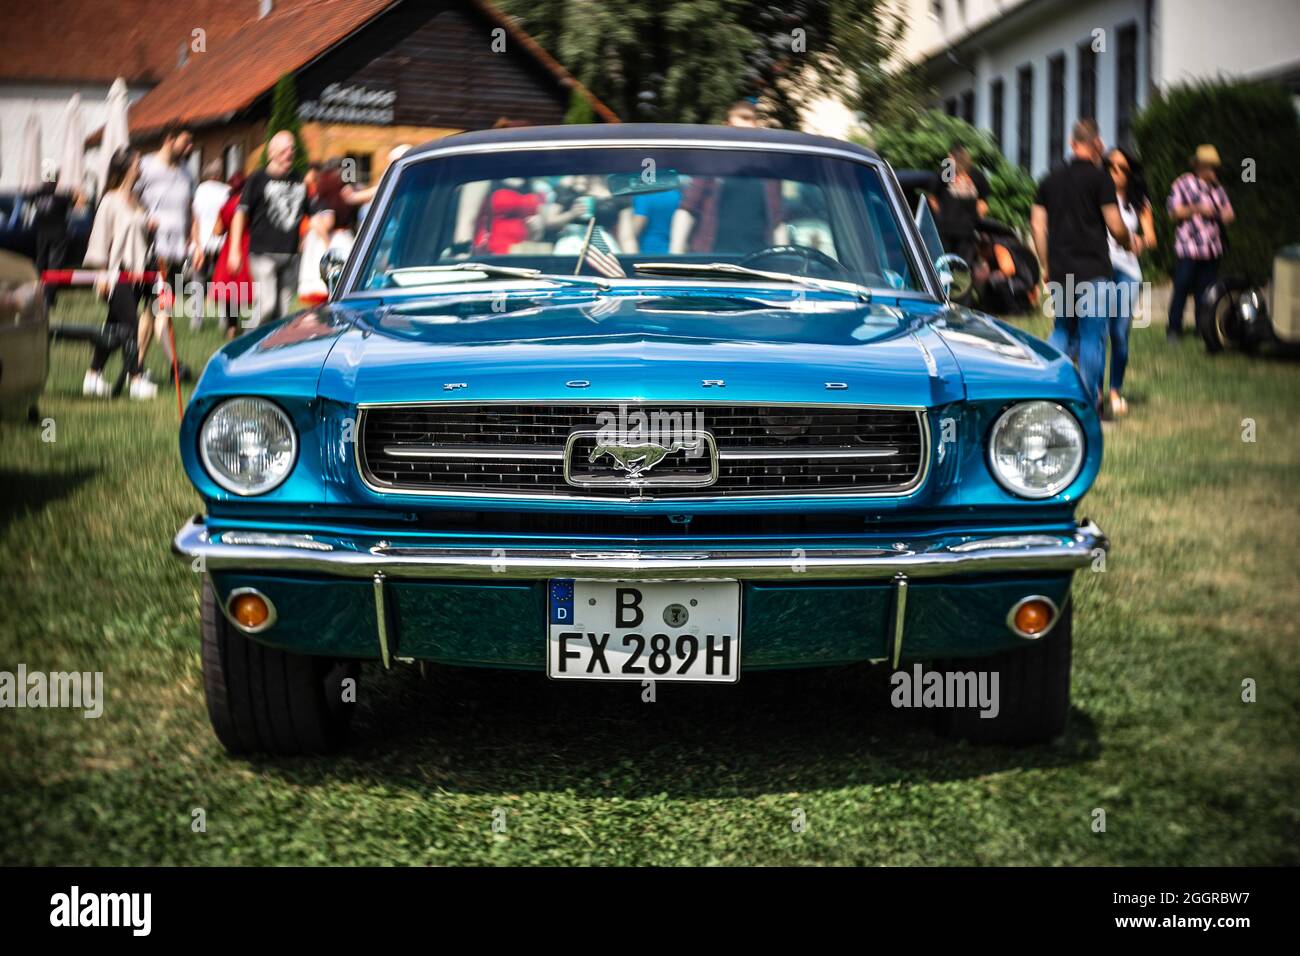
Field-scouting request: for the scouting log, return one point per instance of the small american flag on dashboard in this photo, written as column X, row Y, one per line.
column 602, row 257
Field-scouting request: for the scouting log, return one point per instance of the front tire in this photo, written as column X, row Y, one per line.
column 1033, row 690
column 263, row 700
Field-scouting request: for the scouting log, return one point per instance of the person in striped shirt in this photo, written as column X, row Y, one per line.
column 1200, row 209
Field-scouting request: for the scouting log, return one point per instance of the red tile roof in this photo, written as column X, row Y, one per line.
column 96, row 41
column 207, row 90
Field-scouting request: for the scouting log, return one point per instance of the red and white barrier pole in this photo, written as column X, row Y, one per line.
column 86, row 278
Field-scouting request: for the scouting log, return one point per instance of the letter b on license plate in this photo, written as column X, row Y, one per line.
column 643, row 630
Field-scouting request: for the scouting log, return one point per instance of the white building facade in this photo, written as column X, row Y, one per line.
column 1027, row 69
column 52, row 49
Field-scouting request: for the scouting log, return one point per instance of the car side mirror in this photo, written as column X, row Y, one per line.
column 331, row 268
column 954, row 275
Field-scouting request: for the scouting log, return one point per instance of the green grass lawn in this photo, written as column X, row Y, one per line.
column 1200, row 593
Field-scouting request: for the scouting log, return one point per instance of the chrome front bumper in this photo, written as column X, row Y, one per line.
column 354, row 557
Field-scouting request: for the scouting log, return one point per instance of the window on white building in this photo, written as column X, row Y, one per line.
column 968, row 106
column 1086, row 86
column 1025, row 116
column 1056, row 110
column 997, row 92
column 1125, row 83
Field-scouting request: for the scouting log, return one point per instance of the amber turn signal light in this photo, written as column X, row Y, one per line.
column 250, row 611
column 1033, row 617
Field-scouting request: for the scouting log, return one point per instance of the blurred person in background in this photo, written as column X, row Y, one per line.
column 205, row 242
column 577, row 201
column 166, row 189
column 231, row 290
column 503, row 219
column 315, row 243
column 646, row 224
column 744, row 114
column 1011, row 283
column 209, row 196
column 1200, row 210
column 1135, row 210
column 271, row 208
column 735, row 214
column 335, row 193
column 119, row 242
column 50, row 210
column 1074, row 208
column 311, row 181
column 959, row 199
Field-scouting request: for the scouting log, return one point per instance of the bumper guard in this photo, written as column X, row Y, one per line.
column 239, row 550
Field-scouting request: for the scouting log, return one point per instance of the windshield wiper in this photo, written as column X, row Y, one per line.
column 505, row 272
column 744, row 272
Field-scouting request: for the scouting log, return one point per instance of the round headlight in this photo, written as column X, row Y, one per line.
column 248, row 445
column 1036, row 449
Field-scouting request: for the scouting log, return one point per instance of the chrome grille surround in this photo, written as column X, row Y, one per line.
column 514, row 449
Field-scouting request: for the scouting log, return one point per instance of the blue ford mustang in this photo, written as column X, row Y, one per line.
column 643, row 403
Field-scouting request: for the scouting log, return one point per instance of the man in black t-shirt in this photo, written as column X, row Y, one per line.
column 271, row 208
column 1074, row 209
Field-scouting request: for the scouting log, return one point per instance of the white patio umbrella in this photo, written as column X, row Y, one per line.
column 115, row 135
column 29, row 160
column 72, row 165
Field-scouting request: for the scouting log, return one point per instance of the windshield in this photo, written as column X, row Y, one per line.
column 600, row 211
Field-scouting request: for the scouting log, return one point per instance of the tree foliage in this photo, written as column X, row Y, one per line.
column 579, row 111
column 284, row 116
column 688, row 60
column 1255, row 129
column 922, row 141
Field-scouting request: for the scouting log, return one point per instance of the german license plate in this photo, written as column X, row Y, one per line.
column 643, row 630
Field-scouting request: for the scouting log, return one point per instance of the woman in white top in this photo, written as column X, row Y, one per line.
column 119, row 242
column 1135, row 208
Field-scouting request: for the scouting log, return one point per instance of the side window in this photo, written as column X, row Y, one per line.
column 386, row 254
column 887, row 241
column 929, row 231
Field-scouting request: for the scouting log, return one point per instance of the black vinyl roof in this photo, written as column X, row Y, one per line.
column 624, row 132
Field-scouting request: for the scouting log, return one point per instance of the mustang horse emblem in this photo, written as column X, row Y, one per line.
column 637, row 459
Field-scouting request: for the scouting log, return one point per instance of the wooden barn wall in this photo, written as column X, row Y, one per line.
column 438, row 58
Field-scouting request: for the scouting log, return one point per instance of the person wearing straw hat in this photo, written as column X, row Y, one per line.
column 1200, row 209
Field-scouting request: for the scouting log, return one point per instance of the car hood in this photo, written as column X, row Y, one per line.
column 654, row 348
column 673, row 347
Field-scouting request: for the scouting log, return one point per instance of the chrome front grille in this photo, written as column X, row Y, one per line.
column 519, row 449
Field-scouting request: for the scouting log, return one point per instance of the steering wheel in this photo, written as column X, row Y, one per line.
column 807, row 256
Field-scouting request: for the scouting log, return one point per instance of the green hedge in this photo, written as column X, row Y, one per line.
column 922, row 142
column 284, row 116
column 1247, row 121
